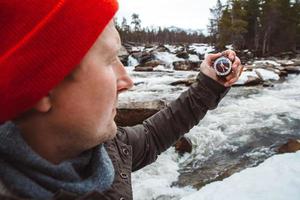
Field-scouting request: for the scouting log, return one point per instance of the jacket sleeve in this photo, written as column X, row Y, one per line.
column 160, row 131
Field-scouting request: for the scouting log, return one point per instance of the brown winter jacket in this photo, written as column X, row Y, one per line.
column 137, row 146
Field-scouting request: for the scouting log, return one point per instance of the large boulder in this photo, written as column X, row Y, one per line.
column 187, row 65
column 292, row 69
column 132, row 113
column 181, row 65
column 183, row 54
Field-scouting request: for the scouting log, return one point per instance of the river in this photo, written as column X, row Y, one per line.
column 246, row 128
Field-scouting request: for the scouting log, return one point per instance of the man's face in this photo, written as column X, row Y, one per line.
column 84, row 104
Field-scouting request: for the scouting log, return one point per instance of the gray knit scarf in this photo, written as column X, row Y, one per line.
column 28, row 175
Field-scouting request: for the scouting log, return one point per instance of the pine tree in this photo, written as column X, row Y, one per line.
column 213, row 26
column 238, row 24
column 224, row 33
column 253, row 16
column 136, row 22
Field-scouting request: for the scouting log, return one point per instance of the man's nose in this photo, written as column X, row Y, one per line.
column 124, row 82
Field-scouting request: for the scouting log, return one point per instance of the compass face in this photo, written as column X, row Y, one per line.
column 222, row 66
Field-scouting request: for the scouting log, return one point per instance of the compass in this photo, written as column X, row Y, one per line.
column 222, row 66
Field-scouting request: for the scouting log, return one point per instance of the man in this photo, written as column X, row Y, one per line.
column 58, row 138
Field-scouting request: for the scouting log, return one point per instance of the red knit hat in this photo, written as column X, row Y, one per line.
column 41, row 42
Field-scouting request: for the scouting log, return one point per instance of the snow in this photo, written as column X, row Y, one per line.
column 266, row 62
column 257, row 73
column 202, row 48
column 167, row 58
column 194, row 58
column 137, row 48
column 267, row 74
column 275, row 179
column 230, row 47
column 244, row 77
column 173, row 48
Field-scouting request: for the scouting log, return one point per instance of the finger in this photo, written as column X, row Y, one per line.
column 233, row 74
column 238, row 73
column 237, row 62
column 209, row 58
column 229, row 54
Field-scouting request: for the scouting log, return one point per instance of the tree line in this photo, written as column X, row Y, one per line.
column 133, row 32
column 263, row 26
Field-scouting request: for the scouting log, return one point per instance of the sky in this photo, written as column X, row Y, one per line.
column 187, row 14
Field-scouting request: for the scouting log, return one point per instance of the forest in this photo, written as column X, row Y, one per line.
column 265, row 27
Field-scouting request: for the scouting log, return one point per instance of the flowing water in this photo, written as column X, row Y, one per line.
column 246, row 128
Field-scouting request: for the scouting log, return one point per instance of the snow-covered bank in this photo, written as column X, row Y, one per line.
column 278, row 178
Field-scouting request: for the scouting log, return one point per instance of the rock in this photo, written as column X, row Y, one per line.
column 186, row 82
column 265, row 64
column 183, row 55
column 187, row 65
column 143, row 69
column 286, row 62
column 181, row 65
column 252, row 81
column 268, row 84
column 147, row 64
column 162, row 48
column 152, row 63
column 291, row 146
column 195, row 65
column 248, row 78
column 183, row 145
column 123, row 55
column 130, row 114
column 292, row 70
column 137, row 55
column 192, row 51
column 266, row 74
column 296, row 62
column 145, row 57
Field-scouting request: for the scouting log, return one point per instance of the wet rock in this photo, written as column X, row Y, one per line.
column 143, row 69
column 130, row 114
column 268, row 84
column 296, row 62
column 292, row 70
column 145, row 57
column 291, row 146
column 162, row 48
column 183, row 55
column 192, row 51
column 286, row 62
column 265, row 64
column 253, row 81
column 147, row 65
column 123, row 55
column 183, row 145
column 152, row 63
column 181, row 65
column 186, row 82
column 137, row 55
column 187, row 65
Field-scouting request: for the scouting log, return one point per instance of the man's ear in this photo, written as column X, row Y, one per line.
column 43, row 105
